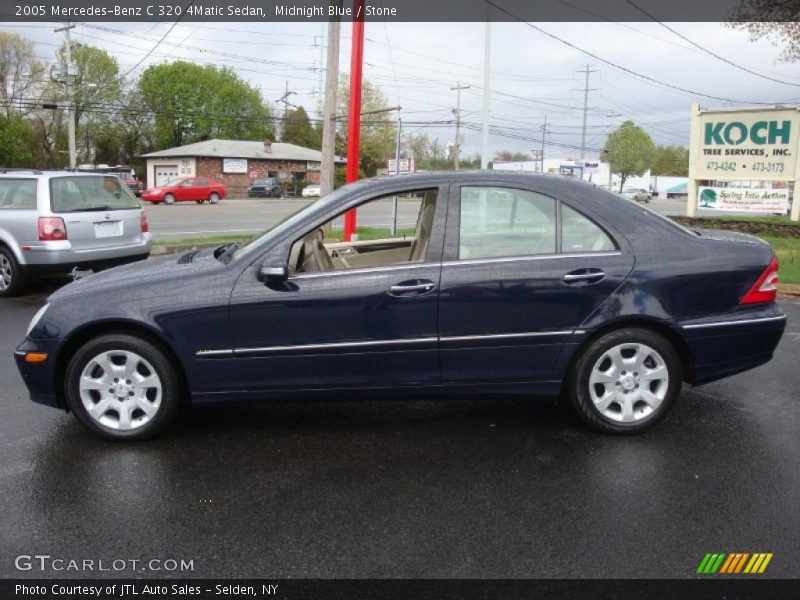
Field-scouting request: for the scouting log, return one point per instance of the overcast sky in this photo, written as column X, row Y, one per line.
column 533, row 75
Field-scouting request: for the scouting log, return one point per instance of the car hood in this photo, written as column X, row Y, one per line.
column 155, row 269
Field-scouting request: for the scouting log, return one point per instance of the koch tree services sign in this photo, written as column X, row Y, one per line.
column 744, row 145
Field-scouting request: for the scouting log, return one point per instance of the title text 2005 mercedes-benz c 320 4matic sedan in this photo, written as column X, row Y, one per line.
column 536, row 285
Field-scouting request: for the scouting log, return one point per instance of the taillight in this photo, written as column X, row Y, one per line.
column 145, row 224
column 52, row 229
column 765, row 289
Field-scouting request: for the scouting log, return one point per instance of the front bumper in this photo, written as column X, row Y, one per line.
column 40, row 378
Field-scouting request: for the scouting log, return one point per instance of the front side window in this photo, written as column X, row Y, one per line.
column 579, row 234
column 82, row 193
column 498, row 222
column 17, row 194
column 322, row 249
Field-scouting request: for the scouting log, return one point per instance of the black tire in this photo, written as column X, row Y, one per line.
column 578, row 386
column 169, row 199
column 200, row 201
column 170, row 385
column 12, row 279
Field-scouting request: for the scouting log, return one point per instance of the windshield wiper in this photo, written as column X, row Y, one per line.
column 226, row 250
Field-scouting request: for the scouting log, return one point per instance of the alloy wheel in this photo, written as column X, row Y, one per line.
column 628, row 382
column 120, row 390
column 5, row 273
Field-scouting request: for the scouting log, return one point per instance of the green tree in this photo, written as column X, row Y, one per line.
column 671, row 160
column 21, row 74
column 194, row 102
column 776, row 21
column 378, row 130
column 97, row 89
column 630, row 151
column 16, row 140
column 297, row 129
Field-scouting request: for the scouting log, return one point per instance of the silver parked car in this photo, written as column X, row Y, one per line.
column 55, row 221
column 637, row 194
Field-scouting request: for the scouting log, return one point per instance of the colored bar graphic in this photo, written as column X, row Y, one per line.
column 734, row 562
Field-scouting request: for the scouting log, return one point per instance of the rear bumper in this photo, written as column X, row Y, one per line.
column 736, row 343
column 61, row 256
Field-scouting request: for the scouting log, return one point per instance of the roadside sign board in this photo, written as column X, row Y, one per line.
column 743, row 200
column 407, row 165
column 744, row 145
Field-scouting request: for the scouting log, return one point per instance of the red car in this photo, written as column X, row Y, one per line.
column 197, row 189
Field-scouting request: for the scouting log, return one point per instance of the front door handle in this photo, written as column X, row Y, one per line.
column 414, row 287
column 584, row 276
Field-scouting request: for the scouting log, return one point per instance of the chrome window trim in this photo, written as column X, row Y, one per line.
column 526, row 257
column 373, row 343
column 736, row 322
column 452, row 263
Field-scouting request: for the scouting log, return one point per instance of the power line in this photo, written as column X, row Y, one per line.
column 618, row 66
column 707, row 51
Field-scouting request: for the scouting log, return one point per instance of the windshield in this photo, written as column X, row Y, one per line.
column 82, row 193
column 262, row 182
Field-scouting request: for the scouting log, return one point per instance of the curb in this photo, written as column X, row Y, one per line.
column 789, row 291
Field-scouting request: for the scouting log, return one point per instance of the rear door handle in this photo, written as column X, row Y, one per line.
column 584, row 276
column 415, row 287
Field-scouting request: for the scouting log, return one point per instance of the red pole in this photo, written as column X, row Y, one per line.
column 354, row 110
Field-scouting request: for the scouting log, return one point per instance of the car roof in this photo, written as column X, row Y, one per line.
column 9, row 173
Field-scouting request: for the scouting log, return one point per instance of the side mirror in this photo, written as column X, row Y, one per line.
column 269, row 273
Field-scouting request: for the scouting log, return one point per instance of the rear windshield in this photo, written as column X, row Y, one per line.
column 80, row 194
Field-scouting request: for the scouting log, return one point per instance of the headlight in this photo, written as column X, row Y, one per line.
column 36, row 318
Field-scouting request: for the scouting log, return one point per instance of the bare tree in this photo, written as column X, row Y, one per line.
column 773, row 20
column 21, row 74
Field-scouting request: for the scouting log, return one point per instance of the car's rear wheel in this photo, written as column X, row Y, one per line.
column 122, row 387
column 625, row 381
column 213, row 198
column 12, row 281
column 169, row 199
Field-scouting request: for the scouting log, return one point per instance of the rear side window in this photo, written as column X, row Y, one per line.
column 17, row 194
column 579, row 234
column 79, row 194
column 497, row 222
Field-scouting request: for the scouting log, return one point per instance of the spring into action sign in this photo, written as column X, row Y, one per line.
column 744, row 200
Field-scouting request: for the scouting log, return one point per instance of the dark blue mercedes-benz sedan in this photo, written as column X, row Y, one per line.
column 534, row 285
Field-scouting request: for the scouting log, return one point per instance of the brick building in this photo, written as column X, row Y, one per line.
column 235, row 163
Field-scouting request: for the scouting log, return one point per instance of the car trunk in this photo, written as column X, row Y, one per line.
column 104, row 229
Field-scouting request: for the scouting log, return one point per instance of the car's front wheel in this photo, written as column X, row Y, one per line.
column 122, row 387
column 169, row 199
column 12, row 281
column 625, row 381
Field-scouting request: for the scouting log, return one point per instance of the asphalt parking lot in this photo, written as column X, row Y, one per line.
column 479, row 487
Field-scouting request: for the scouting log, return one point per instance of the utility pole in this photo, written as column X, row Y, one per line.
column 396, row 172
column 70, row 93
column 286, row 104
column 587, row 71
column 487, row 82
column 457, row 112
column 544, row 132
column 328, row 165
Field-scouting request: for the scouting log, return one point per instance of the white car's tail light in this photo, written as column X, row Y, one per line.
column 52, row 229
column 145, row 224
